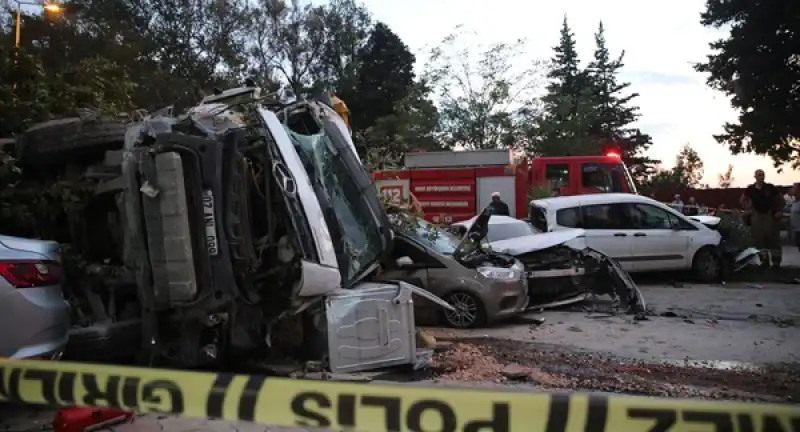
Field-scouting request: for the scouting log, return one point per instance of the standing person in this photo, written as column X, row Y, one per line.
column 498, row 206
column 677, row 203
column 794, row 214
column 765, row 203
column 691, row 208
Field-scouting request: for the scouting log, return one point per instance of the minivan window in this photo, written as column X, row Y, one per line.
column 646, row 216
column 569, row 217
column 605, row 216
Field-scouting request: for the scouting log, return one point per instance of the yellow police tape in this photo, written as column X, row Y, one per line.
column 373, row 407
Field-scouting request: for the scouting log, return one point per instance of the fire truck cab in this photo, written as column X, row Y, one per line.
column 453, row 186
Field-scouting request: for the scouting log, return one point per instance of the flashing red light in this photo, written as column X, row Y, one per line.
column 613, row 154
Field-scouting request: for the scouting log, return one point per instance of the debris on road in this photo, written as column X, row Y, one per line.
column 501, row 361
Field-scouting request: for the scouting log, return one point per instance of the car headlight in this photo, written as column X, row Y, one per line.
column 498, row 273
column 518, row 267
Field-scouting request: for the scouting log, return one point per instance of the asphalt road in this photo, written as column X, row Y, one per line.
column 731, row 324
column 736, row 322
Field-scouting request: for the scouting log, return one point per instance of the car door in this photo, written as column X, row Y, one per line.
column 608, row 229
column 416, row 272
column 657, row 241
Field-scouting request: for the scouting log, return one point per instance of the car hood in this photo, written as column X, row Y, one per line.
column 474, row 235
column 535, row 242
column 709, row 221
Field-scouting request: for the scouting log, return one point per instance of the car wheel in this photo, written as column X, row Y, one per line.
column 706, row 266
column 469, row 311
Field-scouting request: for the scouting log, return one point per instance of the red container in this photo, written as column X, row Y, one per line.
column 78, row 419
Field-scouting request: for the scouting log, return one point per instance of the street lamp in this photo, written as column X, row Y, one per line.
column 48, row 7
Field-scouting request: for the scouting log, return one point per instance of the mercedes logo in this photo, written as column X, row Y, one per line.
column 284, row 179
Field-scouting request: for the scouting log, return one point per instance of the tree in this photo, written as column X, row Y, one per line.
column 347, row 25
column 385, row 76
column 413, row 125
column 178, row 50
column 689, row 167
column 561, row 127
column 288, row 39
column 687, row 172
column 725, row 179
column 663, row 179
column 614, row 112
column 758, row 67
column 35, row 95
column 480, row 94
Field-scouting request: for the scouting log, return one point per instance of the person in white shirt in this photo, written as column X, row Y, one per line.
column 677, row 203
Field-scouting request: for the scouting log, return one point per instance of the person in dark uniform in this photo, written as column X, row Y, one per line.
column 498, row 206
column 765, row 204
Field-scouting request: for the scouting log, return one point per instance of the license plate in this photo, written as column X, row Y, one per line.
column 210, row 218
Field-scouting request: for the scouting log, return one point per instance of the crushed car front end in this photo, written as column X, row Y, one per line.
column 562, row 270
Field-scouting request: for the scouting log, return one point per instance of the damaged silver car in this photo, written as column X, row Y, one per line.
column 560, row 268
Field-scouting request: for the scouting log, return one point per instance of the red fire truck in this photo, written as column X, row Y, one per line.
column 453, row 186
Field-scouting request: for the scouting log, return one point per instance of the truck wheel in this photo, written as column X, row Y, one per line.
column 707, row 266
column 75, row 135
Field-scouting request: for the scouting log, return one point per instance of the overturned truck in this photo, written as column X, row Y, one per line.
column 226, row 222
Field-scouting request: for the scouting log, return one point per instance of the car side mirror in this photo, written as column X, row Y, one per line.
column 404, row 262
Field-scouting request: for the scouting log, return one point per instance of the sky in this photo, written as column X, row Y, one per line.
column 661, row 42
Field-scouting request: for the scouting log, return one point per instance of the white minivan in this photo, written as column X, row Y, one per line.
column 640, row 233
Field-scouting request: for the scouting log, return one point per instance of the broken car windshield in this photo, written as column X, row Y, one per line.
column 360, row 233
column 433, row 237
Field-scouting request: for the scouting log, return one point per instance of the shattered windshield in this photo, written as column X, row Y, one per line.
column 432, row 237
column 361, row 243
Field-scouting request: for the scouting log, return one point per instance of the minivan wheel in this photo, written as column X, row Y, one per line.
column 706, row 266
column 469, row 311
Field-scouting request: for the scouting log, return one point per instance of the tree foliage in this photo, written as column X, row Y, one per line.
column 758, row 66
column 588, row 107
column 561, row 127
column 725, row 179
column 480, row 90
column 385, row 77
column 126, row 54
column 687, row 172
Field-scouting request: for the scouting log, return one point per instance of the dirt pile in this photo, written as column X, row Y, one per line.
column 490, row 360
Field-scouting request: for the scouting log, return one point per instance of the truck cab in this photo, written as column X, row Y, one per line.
column 582, row 175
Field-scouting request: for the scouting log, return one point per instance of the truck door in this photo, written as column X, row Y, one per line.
column 604, row 177
column 556, row 176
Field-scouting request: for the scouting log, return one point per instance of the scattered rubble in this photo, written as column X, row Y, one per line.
column 501, row 361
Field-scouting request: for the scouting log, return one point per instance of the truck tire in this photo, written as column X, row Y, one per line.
column 55, row 139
